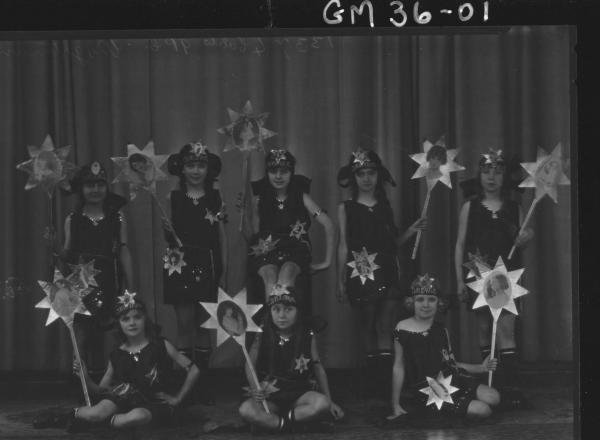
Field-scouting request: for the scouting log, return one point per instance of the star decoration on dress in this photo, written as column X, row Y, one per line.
column 546, row 173
column 212, row 218
column 439, row 390
column 62, row 298
column 83, row 274
column 498, row 288
column 141, row 168
column 436, row 169
column 298, row 230
column 301, row 363
column 240, row 303
column 47, row 166
column 476, row 264
column 364, row 265
column 152, row 375
column 173, row 261
column 246, row 131
column 264, row 246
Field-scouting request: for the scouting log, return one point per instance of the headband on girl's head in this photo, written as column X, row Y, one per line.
column 359, row 160
column 195, row 152
column 281, row 295
column 494, row 159
column 280, row 158
column 425, row 285
column 128, row 302
column 363, row 160
column 92, row 172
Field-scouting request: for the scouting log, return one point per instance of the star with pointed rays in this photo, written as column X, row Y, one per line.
column 435, row 170
column 127, row 299
column 439, row 390
column 212, row 218
column 84, row 274
column 264, row 246
column 140, row 168
column 298, row 230
column 476, row 264
column 173, row 260
column 364, row 265
column 246, row 130
column 546, row 173
column 62, row 298
column 360, row 157
column 268, row 387
column 241, row 301
column 498, row 289
column 199, row 149
column 47, row 166
column 301, row 363
column 493, row 156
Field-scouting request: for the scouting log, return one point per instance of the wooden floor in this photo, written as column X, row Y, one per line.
column 551, row 418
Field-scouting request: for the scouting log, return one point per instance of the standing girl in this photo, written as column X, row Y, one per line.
column 194, row 271
column 488, row 226
column 96, row 231
column 368, row 271
column 278, row 228
column 425, row 367
column 139, row 383
column 285, row 356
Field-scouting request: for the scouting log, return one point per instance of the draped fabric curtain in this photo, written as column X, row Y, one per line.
column 326, row 95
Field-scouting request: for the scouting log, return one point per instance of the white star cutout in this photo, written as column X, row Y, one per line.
column 364, row 265
column 546, row 173
column 173, row 261
column 439, row 390
column 433, row 172
column 62, row 298
column 301, row 364
column 251, row 137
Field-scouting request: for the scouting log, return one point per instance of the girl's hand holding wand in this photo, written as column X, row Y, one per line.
column 489, row 364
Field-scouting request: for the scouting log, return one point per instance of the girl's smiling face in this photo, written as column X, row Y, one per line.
column 284, row 316
column 94, row 192
column 366, row 179
column 133, row 323
column 195, row 172
column 279, row 178
column 425, row 306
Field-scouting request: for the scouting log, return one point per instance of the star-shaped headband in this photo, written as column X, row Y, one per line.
column 279, row 158
column 198, row 152
column 128, row 302
column 493, row 159
column 280, row 294
column 362, row 160
column 424, row 285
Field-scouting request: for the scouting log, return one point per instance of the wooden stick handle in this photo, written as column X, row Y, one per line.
column 253, row 374
column 524, row 225
column 423, row 212
column 82, row 372
column 493, row 348
column 163, row 215
column 245, row 184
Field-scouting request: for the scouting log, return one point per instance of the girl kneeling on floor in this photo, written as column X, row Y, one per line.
column 285, row 356
column 424, row 365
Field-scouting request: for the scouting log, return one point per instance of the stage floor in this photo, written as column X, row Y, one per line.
column 551, row 418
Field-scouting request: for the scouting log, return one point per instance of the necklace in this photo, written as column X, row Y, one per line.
column 195, row 198
column 95, row 219
column 283, row 340
column 494, row 213
column 280, row 202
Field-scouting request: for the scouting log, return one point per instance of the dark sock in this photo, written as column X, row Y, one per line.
column 204, row 388
column 507, row 368
column 385, row 360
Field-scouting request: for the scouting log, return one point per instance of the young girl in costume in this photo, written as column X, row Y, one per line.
column 193, row 272
column 285, row 356
column 96, row 231
column 278, row 228
column 488, row 226
column 367, row 252
column 139, row 383
column 424, row 365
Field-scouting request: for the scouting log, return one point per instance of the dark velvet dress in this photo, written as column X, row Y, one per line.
column 427, row 354
column 139, row 376
column 370, row 228
column 283, row 228
column 290, row 370
column 197, row 226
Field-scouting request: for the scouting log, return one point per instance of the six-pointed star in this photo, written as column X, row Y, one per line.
column 546, row 173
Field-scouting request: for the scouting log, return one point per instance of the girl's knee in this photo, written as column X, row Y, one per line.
column 319, row 403
column 479, row 409
column 247, row 411
column 488, row 395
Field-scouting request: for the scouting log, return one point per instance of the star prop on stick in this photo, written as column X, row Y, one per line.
column 364, row 265
column 47, row 166
column 173, row 260
column 497, row 288
column 439, row 390
column 232, row 318
column 141, row 168
column 435, row 164
column 246, row 131
column 64, row 300
column 545, row 174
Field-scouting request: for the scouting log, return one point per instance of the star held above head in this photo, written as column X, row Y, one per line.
column 240, row 300
column 47, row 166
column 141, row 171
column 264, row 246
column 62, row 298
column 498, row 289
column 364, row 265
column 546, row 173
column 250, row 125
column 439, row 390
column 435, row 170
column 173, row 261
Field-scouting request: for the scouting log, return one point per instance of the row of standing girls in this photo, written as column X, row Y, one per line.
column 277, row 230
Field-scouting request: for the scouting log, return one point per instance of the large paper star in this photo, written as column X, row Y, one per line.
column 546, row 173
column 301, row 364
column 143, row 171
column 439, row 390
column 62, row 298
column 264, row 246
column 364, row 265
column 47, row 166
column 246, row 131
column 433, row 170
column 173, row 261
column 239, row 303
column 498, row 288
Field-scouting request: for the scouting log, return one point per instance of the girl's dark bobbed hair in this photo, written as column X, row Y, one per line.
column 363, row 159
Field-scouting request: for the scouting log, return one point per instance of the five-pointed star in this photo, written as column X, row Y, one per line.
column 264, row 246
column 148, row 170
column 503, row 299
column 83, row 275
column 364, row 265
column 174, row 261
column 250, row 139
column 439, row 390
column 240, row 300
column 546, row 173
column 298, row 229
column 47, row 166
column 434, row 175
column 62, row 298
column 212, row 218
column 301, row 363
